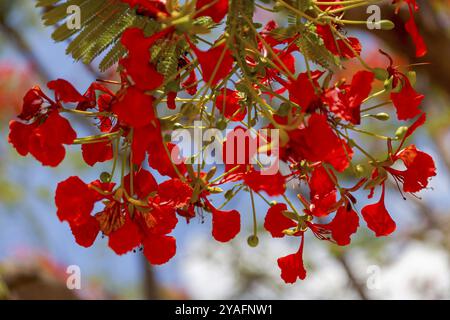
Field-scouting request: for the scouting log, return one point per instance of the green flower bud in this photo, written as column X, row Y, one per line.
column 105, row 177
column 253, row 241
column 382, row 116
column 401, row 131
column 385, row 25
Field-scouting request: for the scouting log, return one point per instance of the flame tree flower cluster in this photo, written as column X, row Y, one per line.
column 211, row 60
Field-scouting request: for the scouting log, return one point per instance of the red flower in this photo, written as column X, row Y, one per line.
column 344, row 224
column 291, row 266
column 302, row 90
column 420, row 168
column 216, row 9
column 225, row 224
column 158, row 249
column 228, row 103
column 144, row 183
column 65, row 92
column 19, row 136
column 149, row 140
column 407, row 101
column 216, row 63
column 411, row 28
column 97, row 152
column 134, row 108
column 125, row 238
column 345, row 101
column 337, row 46
column 175, row 193
column 378, row 218
column 318, row 142
column 137, row 63
column 273, row 185
column 44, row 140
column 86, row 232
column 143, row 137
column 32, row 103
column 322, row 191
column 163, row 160
column 276, row 222
column 74, row 200
column 238, row 149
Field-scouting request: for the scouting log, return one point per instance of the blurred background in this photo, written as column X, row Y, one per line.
column 36, row 249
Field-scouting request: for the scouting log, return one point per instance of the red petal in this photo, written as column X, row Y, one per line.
column 86, row 233
column 48, row 154
column 273, row 185
column 144, row 183
column 159, row 160
column 322, row 191
column 337, row 46
column 159, row 249
column 407, row 101
column 225, row 224
column 318, row 142
column 344, row 224
column 137, row 63
column 275, row 221
column 19, row 136
column 135, row 108
column 97, row 152
column 143, row 137
column 292, row 267
column 56, row 130
column 175, row 192
column 216, row 9
column 125, row 238
column 65, row 92
column 228, row 103
column 378, row 218
column 216, row 62
column 74, row 201
column 411, row 28
column 32, row 103
column 301, row 90
column 420, row 168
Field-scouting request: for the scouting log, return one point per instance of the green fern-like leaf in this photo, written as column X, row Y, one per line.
column 313, row 47
column 102, row 24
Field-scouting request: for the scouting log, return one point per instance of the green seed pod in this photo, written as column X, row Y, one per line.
column 388, row 84
column 385, row 25
column 359, row 170
column 221, row 124
column 253, row 241
column 401, row 131
column 411, row 77
column 382, row 116
column 105, row 177
column 273, row 203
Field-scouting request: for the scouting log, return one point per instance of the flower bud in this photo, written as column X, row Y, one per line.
column 401, row 131
column 253, row 241
column 382, row 116
column 411, row 77
column 385, row 25
column 105, row 177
